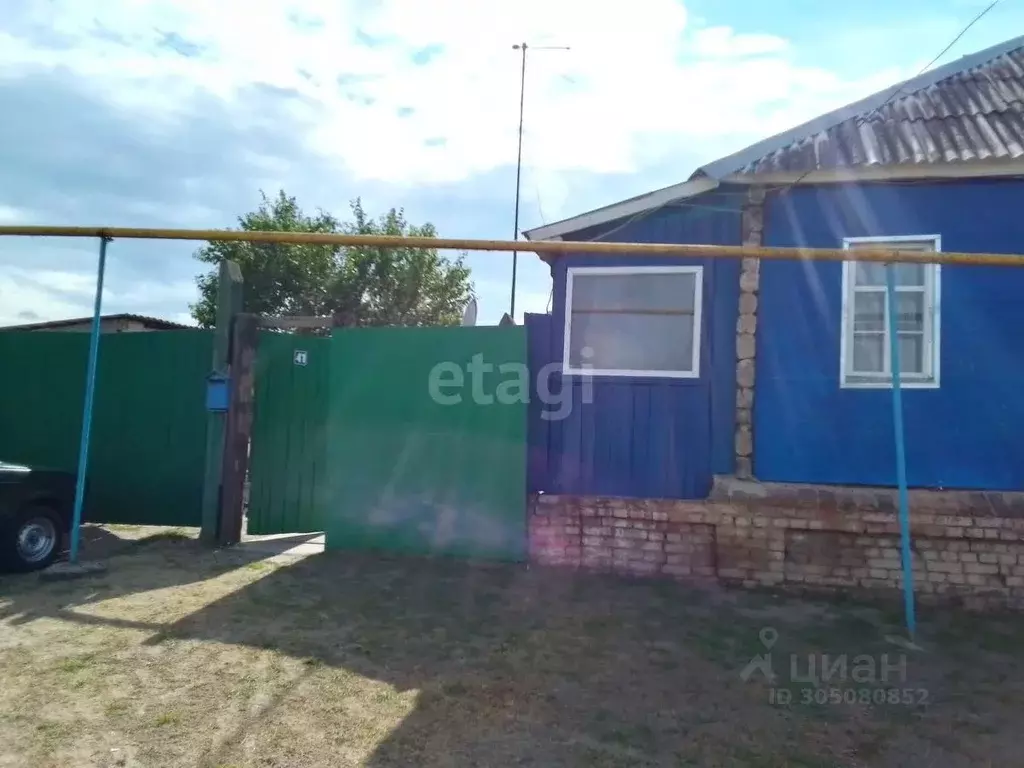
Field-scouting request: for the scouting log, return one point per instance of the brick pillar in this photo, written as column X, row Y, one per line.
column 751, row 231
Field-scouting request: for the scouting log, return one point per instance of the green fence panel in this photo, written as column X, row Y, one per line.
column 42, row 390
column 417, row 472
column 148, row 443
column 289, row 435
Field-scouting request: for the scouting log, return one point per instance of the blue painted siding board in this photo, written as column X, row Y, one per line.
column 590, row 451
column 538, row 350
column 965, row 434
column 642, row 462
column 633, row 440
column 723, row 313
column 658, row 438
column 570, row 467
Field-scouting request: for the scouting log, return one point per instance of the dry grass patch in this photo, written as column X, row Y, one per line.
column 183, row 656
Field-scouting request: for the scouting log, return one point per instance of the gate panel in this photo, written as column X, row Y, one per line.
column 289, row 435
column 414, row 472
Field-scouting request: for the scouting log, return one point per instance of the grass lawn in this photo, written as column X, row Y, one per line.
column 180, row 656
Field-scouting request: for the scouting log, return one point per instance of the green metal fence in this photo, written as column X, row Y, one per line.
column 148, row 445
column 409, row 471
column 287, row 470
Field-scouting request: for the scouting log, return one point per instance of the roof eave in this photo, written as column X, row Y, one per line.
column 631, row 207
column 698, row 185
column 974, row 169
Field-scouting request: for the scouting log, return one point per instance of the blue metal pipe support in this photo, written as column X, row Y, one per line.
column 901, row 454
column 90, row 393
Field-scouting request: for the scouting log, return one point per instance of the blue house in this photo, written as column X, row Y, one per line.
column 678, row 370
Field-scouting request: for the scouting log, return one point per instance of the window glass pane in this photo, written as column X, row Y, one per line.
column 631, row 342
column 868, row 352
column 910, row 311
column 873, row 274
column 869, row 273
column 911, row 353
column 910, row 274
column 869, row 311
column 667, row 291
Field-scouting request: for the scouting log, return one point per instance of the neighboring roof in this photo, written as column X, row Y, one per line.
column 970, row 111
column 150, row 322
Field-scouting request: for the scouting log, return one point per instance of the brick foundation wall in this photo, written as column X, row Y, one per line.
column 968, row 547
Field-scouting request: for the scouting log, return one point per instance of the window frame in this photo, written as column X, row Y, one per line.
column 932, row 328
column 698, row 303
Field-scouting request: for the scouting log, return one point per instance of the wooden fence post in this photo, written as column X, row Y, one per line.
column 229, row 304
column 238, row 429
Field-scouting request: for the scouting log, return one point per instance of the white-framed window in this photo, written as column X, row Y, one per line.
column 866, row 347
column 633, row 321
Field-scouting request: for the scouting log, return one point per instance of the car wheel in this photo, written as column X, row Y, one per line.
column 34, row 540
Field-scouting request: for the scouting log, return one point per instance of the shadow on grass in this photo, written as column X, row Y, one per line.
column 512, row 666
column 178, row 548
column 517, row 666
column 26, row 599
column 101, row 542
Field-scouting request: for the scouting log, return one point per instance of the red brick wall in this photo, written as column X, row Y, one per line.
column 967, row 547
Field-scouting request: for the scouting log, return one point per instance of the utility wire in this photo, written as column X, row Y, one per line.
column 930, row 64
column 783, row 187
column 540, row 206
column 898, row 90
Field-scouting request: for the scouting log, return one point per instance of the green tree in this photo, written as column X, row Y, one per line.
column 357, row 286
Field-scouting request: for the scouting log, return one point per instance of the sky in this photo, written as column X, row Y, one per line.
column 176, row 113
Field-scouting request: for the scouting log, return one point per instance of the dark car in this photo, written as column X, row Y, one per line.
column 35, row 515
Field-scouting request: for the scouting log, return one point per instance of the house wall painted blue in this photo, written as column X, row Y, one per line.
column 644, row 437
column 967, row 433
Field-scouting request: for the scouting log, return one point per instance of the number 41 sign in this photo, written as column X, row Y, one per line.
column 301, row 357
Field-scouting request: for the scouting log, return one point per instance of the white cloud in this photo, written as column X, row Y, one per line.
column 174, row 112
column 30, row 295
column 636, row 74
column 76, row 286
column 12, row 215
column 23, row 301
column 723, row 42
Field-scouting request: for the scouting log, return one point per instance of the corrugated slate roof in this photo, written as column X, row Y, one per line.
column 968, row 110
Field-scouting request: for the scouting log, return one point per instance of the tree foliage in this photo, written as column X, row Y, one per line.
column 357, row 286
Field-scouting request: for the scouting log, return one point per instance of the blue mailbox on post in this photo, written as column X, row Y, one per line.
column 218, row 392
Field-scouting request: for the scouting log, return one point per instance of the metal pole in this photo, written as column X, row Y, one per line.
column 901, row 457
column 90, row 392
column 519, row 171
column 556, row 247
